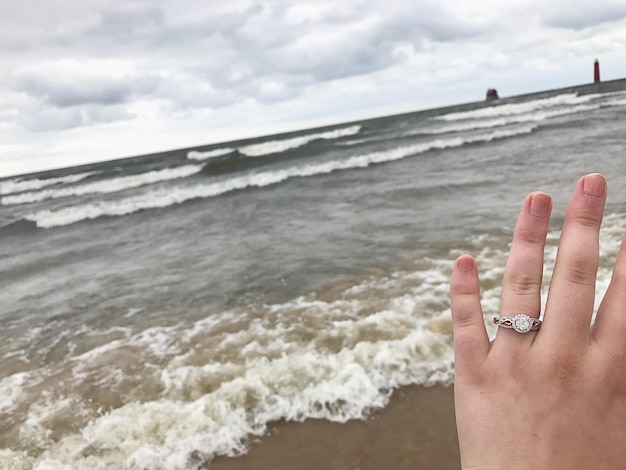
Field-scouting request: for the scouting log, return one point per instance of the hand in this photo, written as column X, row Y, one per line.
column 553, row 398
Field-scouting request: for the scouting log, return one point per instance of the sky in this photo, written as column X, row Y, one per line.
column 94, row 80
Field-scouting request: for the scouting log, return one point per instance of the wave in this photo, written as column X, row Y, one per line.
column 210, row 385
column 112, row 185
column 349, row 143
column 20, row 226
column 195, row 155
column 19, row 185
column 618, row 102
column 566, row 99
column 275, row 146
column 170, row 196
column 278, row 146
column 505, row 121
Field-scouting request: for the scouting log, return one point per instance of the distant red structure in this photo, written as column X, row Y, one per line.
column 596, row 71
column 492, row 94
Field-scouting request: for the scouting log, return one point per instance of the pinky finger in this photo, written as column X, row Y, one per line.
column 471, row 343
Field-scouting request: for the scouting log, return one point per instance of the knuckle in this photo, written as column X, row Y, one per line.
column 523, row 283
column 533, row 237
column 564, row 367
column 613, row 380
column 610, row 373
column 581, row 270
column 515, row 366
column 587, row 218
column 464, row 317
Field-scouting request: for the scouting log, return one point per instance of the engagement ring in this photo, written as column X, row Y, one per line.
column 521, row 323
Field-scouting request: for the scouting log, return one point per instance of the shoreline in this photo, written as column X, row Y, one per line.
column 416, row 430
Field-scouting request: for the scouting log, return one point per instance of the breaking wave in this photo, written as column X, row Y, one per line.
column 19, row 185
column 195, row 155
column 164, row 198
column 275, row 146
column 208, row 386
column 506, row 121
column 567, row 99
column 278, row 146
column 112, row 185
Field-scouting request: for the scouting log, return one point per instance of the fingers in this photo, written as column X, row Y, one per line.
column 471, row 343
column 521, row 285
column 571, row 297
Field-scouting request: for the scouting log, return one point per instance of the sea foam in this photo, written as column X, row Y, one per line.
column 567, row 99
column 20, row 184
column 224, row 378
column 533, row 116
column 196, row 155
column 111, row 185
column 278, row 146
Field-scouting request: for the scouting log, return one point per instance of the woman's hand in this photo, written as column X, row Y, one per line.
column 553, row 398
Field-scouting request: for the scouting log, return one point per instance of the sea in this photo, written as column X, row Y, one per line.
column 165, row 311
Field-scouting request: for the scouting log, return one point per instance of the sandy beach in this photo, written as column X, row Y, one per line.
column 415, row 431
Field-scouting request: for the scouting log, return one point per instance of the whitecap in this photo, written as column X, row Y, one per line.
column 177, row 195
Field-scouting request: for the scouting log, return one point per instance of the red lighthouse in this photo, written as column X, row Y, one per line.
column 596, row 71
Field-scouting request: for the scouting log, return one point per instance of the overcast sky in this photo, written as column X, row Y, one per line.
column 84, row 81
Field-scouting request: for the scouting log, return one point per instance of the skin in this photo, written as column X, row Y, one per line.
column 553, row 398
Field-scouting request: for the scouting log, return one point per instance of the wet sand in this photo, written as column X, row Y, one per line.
column 415, row 431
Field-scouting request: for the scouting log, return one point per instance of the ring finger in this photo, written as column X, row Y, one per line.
column 521, row 285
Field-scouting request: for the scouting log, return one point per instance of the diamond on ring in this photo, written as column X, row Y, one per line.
column 521, row 323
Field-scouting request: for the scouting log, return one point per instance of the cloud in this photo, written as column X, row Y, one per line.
column 67, row 93
column 263, row 51
column 54, row 119
column 578, row 15
column 71, row 82
column 245, row 67
column 334, row 40
column 124, row 23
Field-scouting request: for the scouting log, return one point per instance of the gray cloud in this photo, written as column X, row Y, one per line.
column 71, row 88
column 53, row 119
column 584, row 15
column 320, row 50
column 123, row 23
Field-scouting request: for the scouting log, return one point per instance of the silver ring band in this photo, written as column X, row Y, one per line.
column 521, row 323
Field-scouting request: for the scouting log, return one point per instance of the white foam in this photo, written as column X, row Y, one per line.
column 111, row 185
column 18, row 460
column 306, row 358
column 621, row 102
column 21, row 184
column 525, row 107
column 11, row 388
column 195, row 155
column 506, row 121
column 171, row 196
column 278, row 146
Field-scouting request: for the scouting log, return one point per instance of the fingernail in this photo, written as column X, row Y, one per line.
column 540, row 204
column 594, row 185
column 466, row 263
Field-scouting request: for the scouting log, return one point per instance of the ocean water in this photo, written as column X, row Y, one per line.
column 160, row 311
